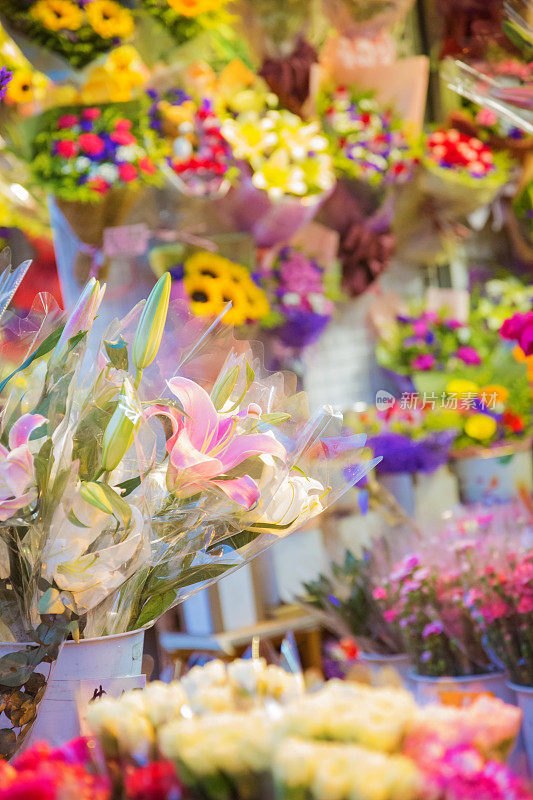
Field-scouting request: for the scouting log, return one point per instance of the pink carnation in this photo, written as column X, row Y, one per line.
column 423, row 362
column 91, row 144
column 67, row 121
column 469, row 355
column 66, row 148
column 379, row 593
column 91, row 113
column 127, row 173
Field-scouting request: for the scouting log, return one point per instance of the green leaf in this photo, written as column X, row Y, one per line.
column 94, row 494
column 274, row 419
column 121, row 509
column 71, row 516
column 117, row 352
column 236, row 541
column 155, row 607
column 44, row 348
column 16, row 668
column 129, row 486
column 224, row 386
column 88, row 437
column 43, row 463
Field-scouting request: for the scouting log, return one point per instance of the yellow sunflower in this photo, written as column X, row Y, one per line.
column 192, row 8
column 109, row 19
column 237, row 273
column 207, row 264
column 258, row 306
column 204, row 296
column 22, row 87
column 232, row 293
column 58, row 15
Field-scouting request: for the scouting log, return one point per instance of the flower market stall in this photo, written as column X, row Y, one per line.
column 266, row 392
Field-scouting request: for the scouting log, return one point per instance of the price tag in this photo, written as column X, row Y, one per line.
column 460, row 699
column 126, row 240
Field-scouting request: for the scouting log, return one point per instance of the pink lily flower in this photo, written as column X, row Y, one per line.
column 81, row 317
column 205, row 446
column 17, row 478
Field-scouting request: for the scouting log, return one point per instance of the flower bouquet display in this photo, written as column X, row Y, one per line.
column 199, row 159
column 345, row 604
column 209, row 282
column 93, row 162
column 466, row 379
column 459, row 174
column 184, row 20
column 368, row 140
column 364, row 20
column 139, row 486
column 344, row 740
column 286, row 173
column 301, row 293
column 75, row 31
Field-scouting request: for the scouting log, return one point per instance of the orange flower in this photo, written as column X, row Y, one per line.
column 192, row 8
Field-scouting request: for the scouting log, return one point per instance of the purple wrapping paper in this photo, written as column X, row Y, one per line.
column 269, row 222
column 401, row 454
column 301, row 328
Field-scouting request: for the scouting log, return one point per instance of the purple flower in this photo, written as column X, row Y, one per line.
column 5, row 77
column 469, row 355
column 425, row 657
column 432, row 629
column 423, row 362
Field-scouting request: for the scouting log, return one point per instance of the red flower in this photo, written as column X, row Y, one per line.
column 30, row 786
column 66, row 148
column 32, row 758
column 123, row 125
column 147, row 165
column 91, row 144
column 349, row 648
column 91, row 113
column 127, row 173
column 123, row 137
column 99, row 185
column 513, row 421
column 67, row 121
column 157, row 781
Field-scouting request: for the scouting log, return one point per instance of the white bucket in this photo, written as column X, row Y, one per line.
column 461, row 691
column 83, row 671
column 524, row 695
column 399, row 663
column 495, row 476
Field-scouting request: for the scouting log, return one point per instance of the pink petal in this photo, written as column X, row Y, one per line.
column 17, row 470
column 9, row 507
column 173, row 415
column 189, row 465
column 242, row 447
column 243, row 491
column 201, row 421
column 23, row 428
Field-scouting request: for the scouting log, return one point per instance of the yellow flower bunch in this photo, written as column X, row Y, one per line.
column 117, row 78
column 26, row 86
column 58, row 15
column 211, row 282
column 107, row 18
column 192, row 8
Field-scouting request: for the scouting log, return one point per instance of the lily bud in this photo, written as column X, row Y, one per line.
column 152, row 323
column 118, row 436
column 81, row 318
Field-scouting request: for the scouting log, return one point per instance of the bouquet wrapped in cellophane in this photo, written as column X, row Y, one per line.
column 127, row 486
